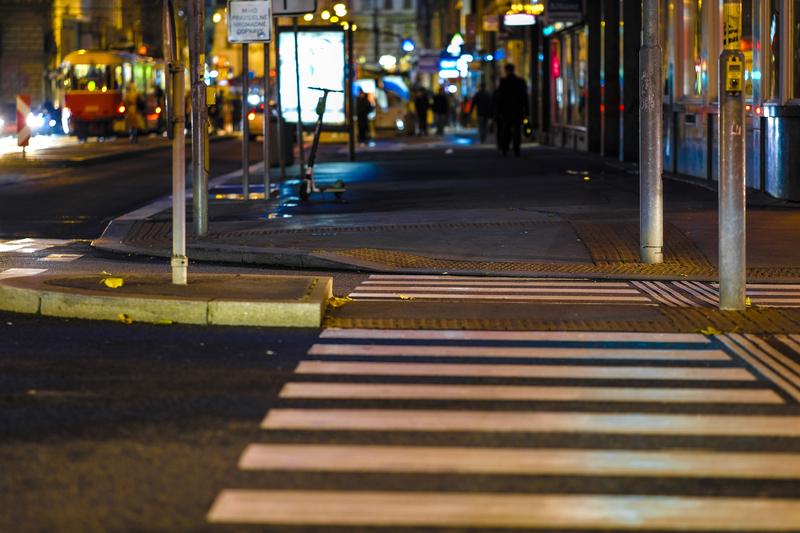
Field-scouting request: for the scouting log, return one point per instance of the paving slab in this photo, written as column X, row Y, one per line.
column 208, row 299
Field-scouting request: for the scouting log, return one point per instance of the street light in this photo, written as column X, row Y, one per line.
column 216, row 18
column 308, row 17
column 325, row 15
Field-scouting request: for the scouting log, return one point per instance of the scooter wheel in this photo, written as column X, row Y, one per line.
column 304, row 191
column 338, row 195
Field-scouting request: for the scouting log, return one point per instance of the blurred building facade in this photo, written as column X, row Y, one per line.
column 35, row 35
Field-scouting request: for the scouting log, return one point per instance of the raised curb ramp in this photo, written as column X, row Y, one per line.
column 208, row 299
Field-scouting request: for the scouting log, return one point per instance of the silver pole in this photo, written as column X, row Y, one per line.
column 732, row 200
column 279, row 104
column 651, row 194
column 300, row 149
column 267, row 120
column 197, row 58
column 245, row 124
column 179, row 260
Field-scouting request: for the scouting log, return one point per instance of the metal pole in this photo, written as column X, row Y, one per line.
column 732, row 200
column 267, row 120
column 245, row 123
column 197, row 58
column 651, row 194
column 300, row 149
column 179, row 260
column 351, row 74
column 279, row 104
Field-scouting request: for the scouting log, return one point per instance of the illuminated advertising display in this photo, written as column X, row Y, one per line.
column 322, row 64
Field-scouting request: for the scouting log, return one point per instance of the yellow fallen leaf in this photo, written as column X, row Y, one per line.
column 113, row 283
column 164, row 322
column 339, row 302
column 710, row 330
column 404, row 297
column 747, row 301
column 125, row 319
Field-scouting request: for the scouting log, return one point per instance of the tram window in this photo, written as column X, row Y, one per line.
column 118, row 81
column 693, row 71
column 89, row 77
column 774, row 50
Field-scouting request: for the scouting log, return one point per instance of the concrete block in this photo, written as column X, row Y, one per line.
column 19, row 300
column 152, row 310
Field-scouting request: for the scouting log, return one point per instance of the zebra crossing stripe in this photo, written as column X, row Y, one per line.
column 761, row 362
column 401, row 350
column 508, row 282
column 509, row 510
column 526, row 461
column 395, row 391
column 788, row 368
column 554, row 336
column 654, row 294
column 536, row 297
column 491, row 290
column 21, row 272
column 698, row 292
column 531, row 422
column 523, row 371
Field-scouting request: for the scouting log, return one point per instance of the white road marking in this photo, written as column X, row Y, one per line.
column 531, row 422
column 520, row 461
column 413, row 391
column 410, row 350
column 21, row 272
column 555, row 336
column 510, row 510
column 523, row 371
column 62, row 258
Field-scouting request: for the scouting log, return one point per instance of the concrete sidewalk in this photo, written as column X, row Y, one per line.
column 208, row 299
column 563, row 214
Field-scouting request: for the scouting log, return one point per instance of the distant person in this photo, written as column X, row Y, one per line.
column 482, row 106
column 441, row 111
column 363, row 108
column 421, row 106
column 134, row 119
column 512, row 108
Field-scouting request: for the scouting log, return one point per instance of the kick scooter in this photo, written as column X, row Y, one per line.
column 307, row 184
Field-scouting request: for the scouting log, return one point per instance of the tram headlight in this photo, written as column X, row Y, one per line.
column 121, row 109
column 35, row 122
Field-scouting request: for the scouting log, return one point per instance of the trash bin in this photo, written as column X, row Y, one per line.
column 288, row 142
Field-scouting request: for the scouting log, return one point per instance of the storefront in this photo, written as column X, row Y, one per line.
column 692, row 41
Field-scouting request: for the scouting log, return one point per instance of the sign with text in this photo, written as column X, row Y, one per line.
column 249, row 21
column 293, row 7
column 564, row 10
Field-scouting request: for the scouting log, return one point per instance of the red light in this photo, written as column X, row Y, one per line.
column 121, row 109
column 758, row 111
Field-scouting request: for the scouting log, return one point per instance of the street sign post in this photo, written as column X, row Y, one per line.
column 732, row 199
column 250, row 21
column 197, row 65
column 175, row 112
column 23, row 130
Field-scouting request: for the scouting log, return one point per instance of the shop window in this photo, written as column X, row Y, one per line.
column 558, row 81
column 577, row 75
column 693, row 68
column 774, row 53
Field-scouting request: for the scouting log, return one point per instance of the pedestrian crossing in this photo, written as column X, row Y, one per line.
column 30, row 246
column 490, row 430
column 383, row 287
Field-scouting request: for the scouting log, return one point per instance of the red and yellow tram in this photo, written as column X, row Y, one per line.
column 94, row 85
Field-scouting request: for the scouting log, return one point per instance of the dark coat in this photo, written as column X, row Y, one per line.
column 482, row 104
column 440, row 104
column 511, row 99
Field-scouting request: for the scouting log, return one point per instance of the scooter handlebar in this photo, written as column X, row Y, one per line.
column 326, row 90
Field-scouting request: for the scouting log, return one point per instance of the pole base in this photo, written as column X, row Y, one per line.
column 180, row 269
column 652, row 255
